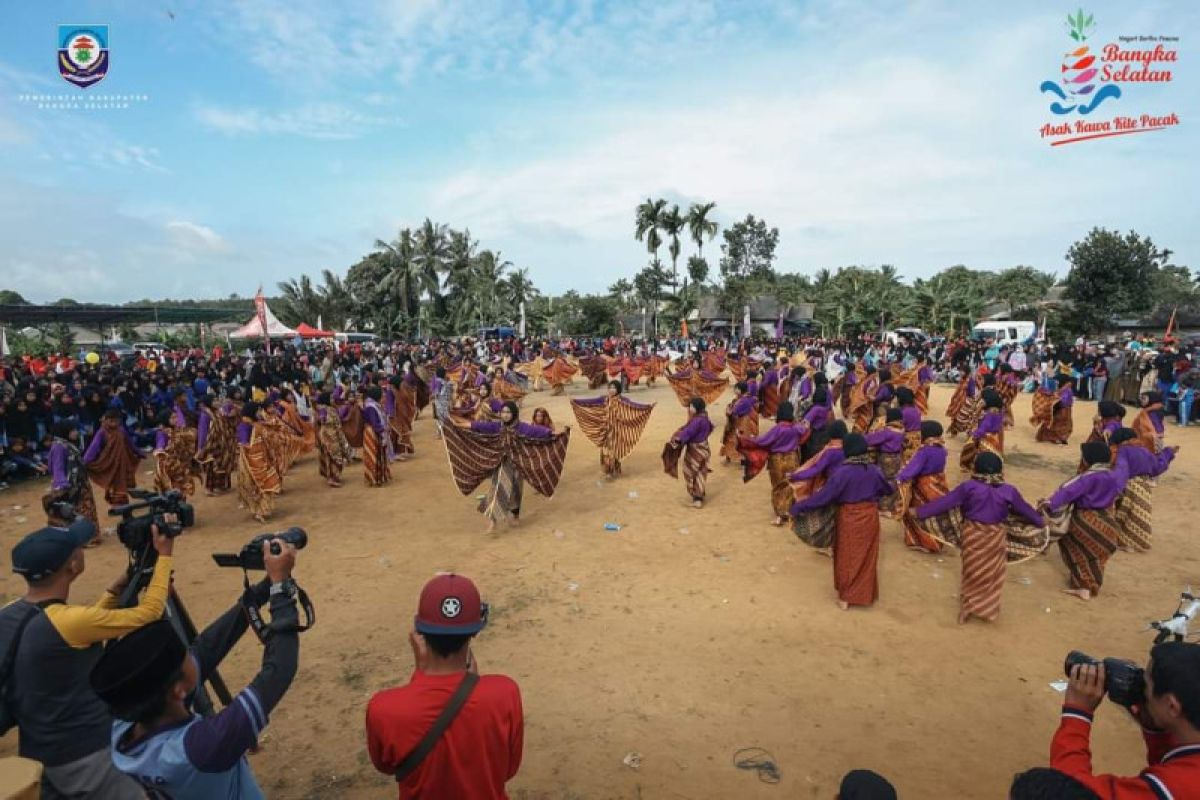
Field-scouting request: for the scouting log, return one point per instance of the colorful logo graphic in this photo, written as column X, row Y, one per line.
column 83, row 53
column 1079, row 71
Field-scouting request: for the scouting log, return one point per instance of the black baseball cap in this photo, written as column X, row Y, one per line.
column 41, row 553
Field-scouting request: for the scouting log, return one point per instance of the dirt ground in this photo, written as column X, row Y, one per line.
column 685, row 636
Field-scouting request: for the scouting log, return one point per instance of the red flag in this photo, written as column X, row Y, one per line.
column 1171, row 322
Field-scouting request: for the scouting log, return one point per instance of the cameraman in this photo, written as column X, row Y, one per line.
column 53, row 646
column 1170, row 719
column 148, row 680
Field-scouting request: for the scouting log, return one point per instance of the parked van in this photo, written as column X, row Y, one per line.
column 1006, row 331
column 914, row 335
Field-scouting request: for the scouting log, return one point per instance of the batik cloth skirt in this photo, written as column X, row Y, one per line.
column 917, row 533
column 779, row 467
column 1092, row 537
column 984, row 559
column 890, row 464
column 375, row 458
column 173, row 468
column 219, row 459
column 856, row 553
column 695, row 458
column 503, row 500
column 257, row 479
column 745, row 426
column 333, row 449
column 1133, row 511
column 990, row 443
column 967, row 416
column 912, row 443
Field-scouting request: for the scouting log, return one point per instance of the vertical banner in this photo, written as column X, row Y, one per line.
column 746, row 322
column 522, row 331
column 260, row 306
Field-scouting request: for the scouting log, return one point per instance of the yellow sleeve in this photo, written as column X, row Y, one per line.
column 107, row 600
column 82, row 626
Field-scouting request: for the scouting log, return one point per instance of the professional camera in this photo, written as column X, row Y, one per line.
column 134, row 531
column 251, row 555
column 1124, row 681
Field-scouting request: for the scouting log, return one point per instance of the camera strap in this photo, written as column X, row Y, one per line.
column 265, row 630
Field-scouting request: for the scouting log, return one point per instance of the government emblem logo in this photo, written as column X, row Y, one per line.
column 83, row 53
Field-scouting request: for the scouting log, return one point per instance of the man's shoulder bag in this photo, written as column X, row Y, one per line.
column 7, row 720
column 447, row 715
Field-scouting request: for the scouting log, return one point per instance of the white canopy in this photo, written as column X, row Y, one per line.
column 254, row 329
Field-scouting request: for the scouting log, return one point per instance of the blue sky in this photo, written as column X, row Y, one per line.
column 283, row 138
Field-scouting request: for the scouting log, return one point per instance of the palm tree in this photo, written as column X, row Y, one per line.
column 300, row 301
column 336, row 300
column 622, row 294
column 648, row 222
column 488, row 272
column 672, row 224
column 516, row 289
column 700, row 226
column 459, row 284
column 402, row 281
column 431, row 250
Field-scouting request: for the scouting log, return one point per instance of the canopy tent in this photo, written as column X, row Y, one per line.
column 254, row 328
column 307, row 331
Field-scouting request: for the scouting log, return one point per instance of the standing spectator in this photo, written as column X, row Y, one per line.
column 62, row 723
column 479, row 747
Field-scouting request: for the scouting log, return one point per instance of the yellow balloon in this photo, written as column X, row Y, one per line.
column 92, row 358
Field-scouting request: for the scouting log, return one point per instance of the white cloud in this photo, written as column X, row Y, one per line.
column 131, row 155
column 194, row 237
column 312, row 121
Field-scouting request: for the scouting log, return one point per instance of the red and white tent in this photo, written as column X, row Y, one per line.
column 264, row 320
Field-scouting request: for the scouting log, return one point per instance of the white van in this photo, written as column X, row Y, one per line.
column 1006, row 331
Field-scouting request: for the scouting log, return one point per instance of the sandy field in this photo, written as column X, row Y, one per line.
column 683, row 637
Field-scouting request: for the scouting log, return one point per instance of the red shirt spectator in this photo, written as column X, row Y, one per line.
column 474, row 758
column 481, row 749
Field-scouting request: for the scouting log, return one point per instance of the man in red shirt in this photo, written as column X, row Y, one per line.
column 1170, row 719
column 481, row 749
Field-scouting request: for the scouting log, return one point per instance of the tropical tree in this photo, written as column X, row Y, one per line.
column 431, row 250
column 700, row 226
column 648, row 223
column 516, row 289
column 299, row 301
column 398, row 286
column 1110, row 274
column 622, row 293
column 1020, row 286
column 488, row 273
column 672, row 224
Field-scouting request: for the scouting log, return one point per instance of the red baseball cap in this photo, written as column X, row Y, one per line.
column 450, row 605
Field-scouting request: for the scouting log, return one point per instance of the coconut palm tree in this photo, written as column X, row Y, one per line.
column 516, row 289
column 401, row 285
column 300, row 301
column 431, row 251
column 673, row 224
column 700, row 226
column 487, row 274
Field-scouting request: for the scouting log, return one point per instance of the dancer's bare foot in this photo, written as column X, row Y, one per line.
column 334, row 484
column 824, row 551
column 697, row 504
column 491, row 526
column 1082, row 594
column 963, row 616
column 779, row 522
column 843, row 605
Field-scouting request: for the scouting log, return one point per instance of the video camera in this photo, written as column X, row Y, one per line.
column 134, row 531
column 251, row 554
column 251, row 557
column 1125, row 681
